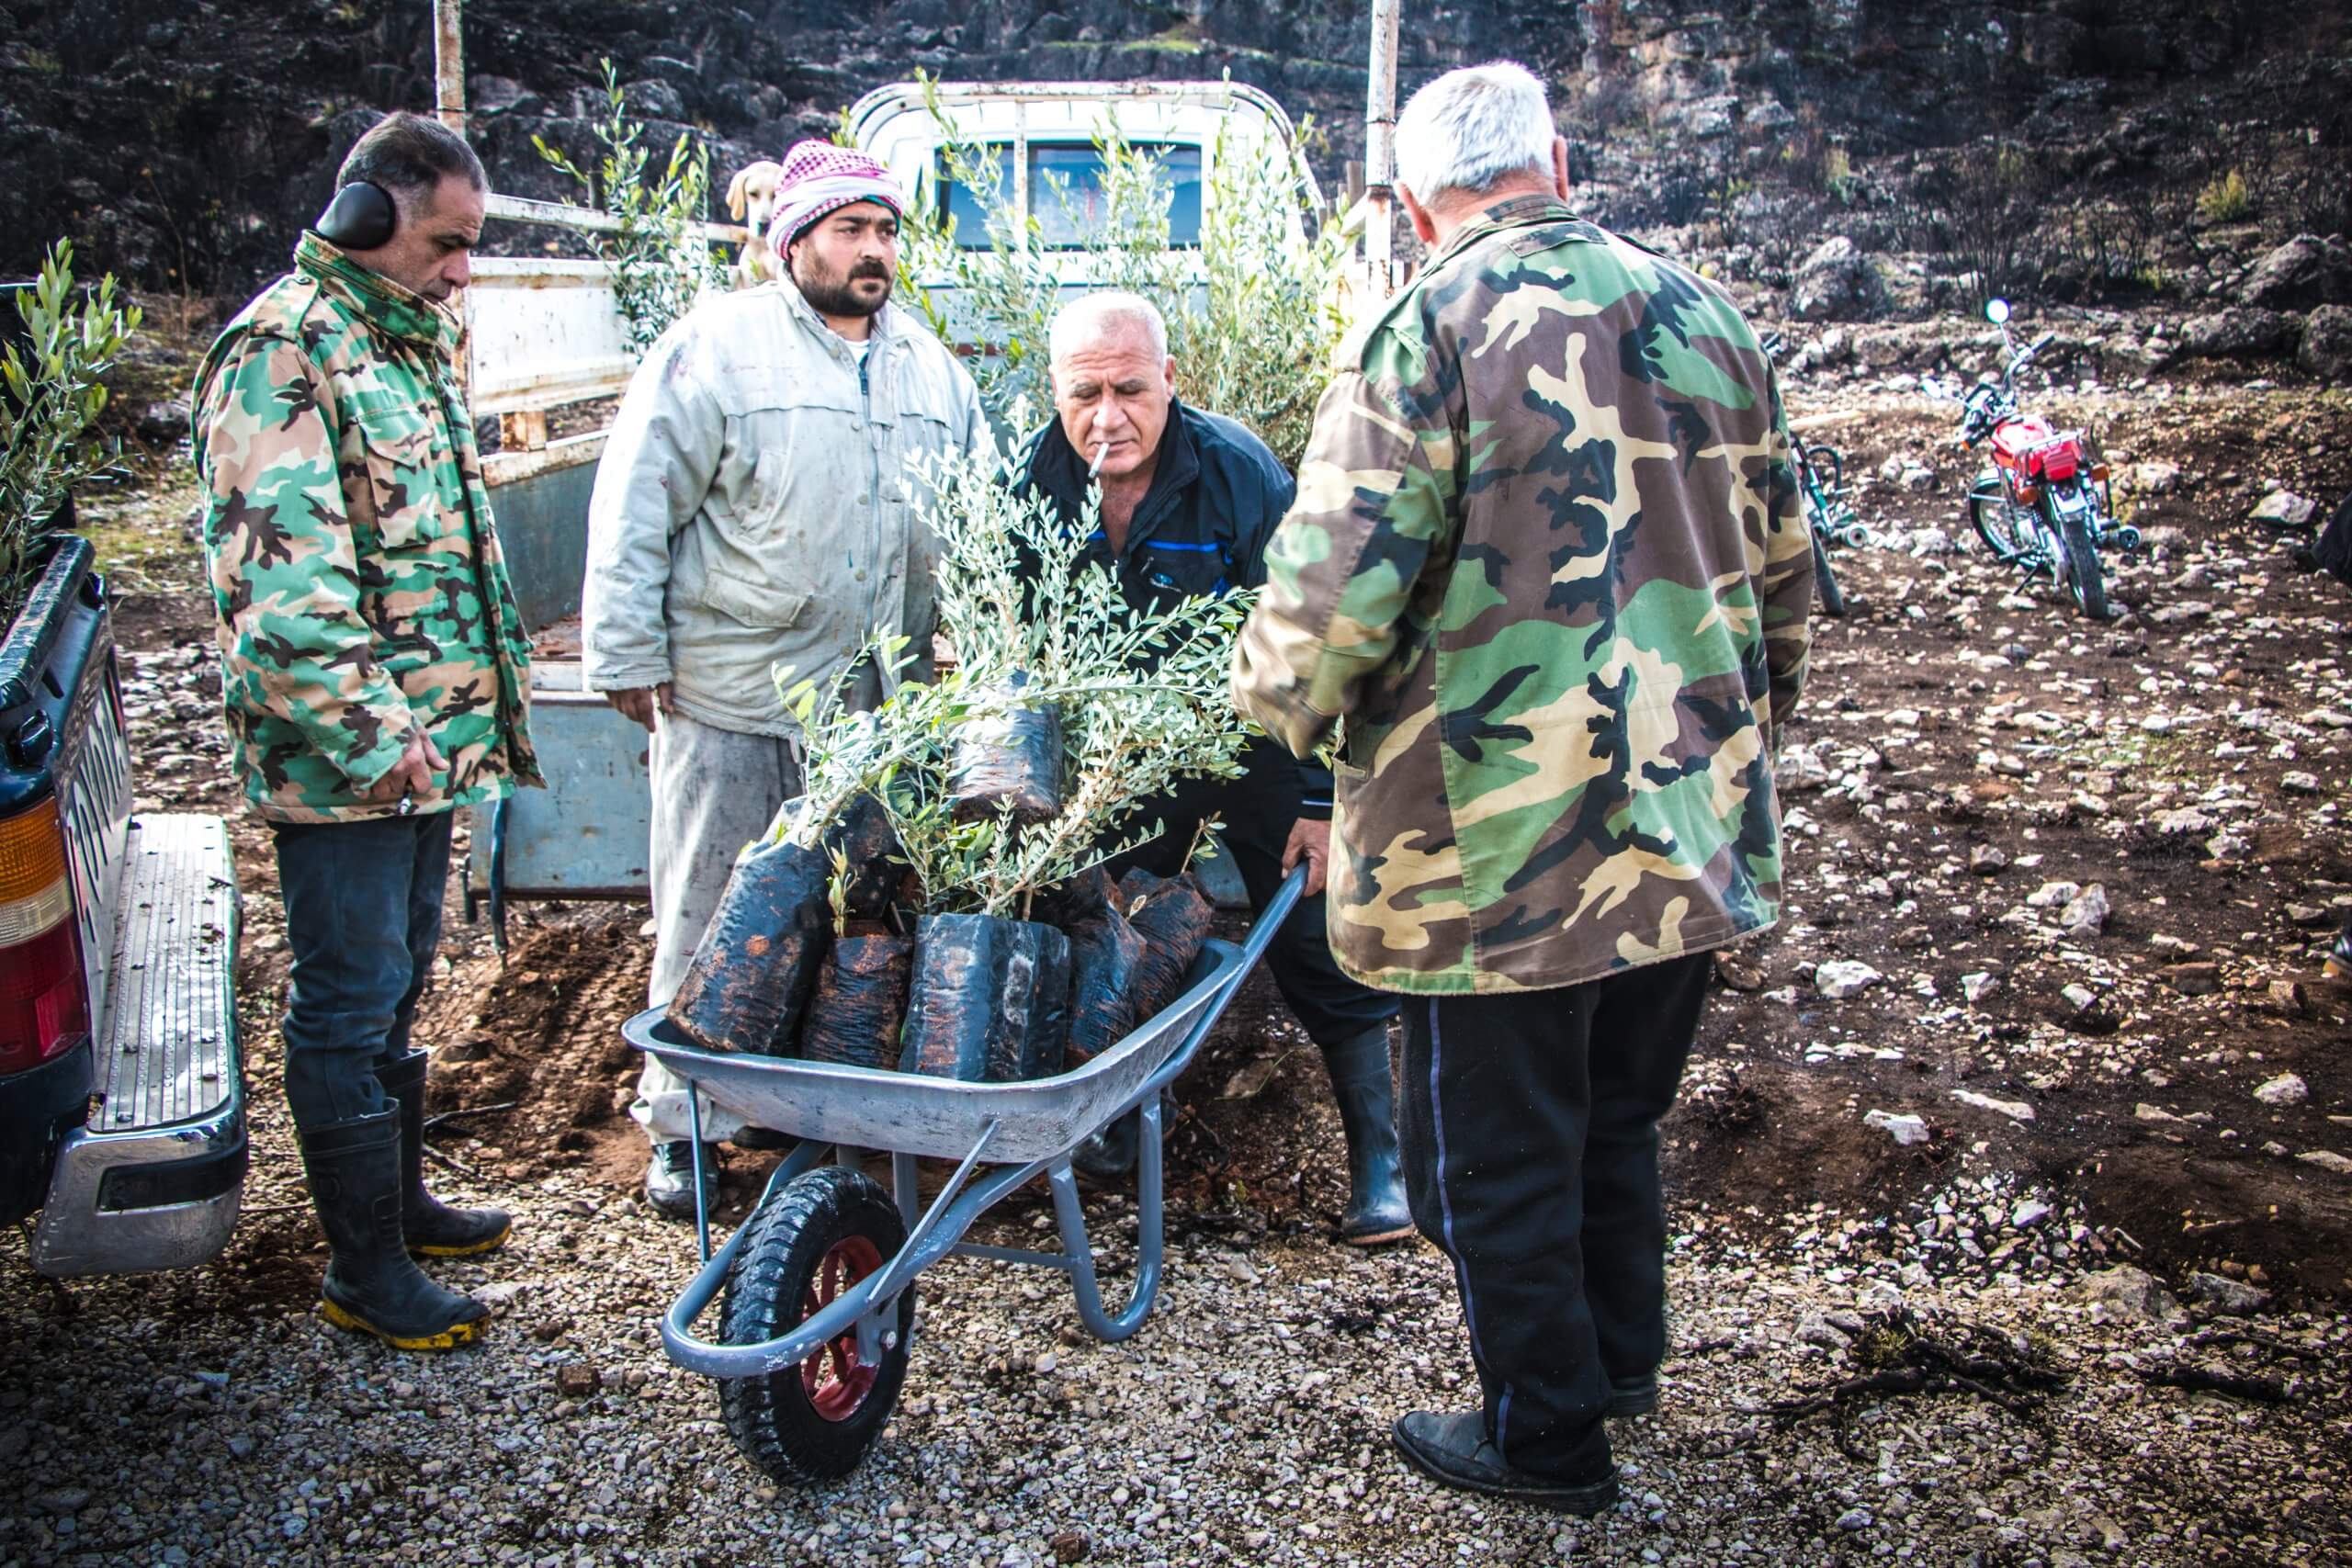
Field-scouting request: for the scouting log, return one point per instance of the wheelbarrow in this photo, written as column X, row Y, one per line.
column 819, row 1311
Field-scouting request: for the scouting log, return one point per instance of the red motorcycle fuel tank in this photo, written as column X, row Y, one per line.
column 2028, row 444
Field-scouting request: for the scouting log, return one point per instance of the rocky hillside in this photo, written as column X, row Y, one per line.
column 1874, row 160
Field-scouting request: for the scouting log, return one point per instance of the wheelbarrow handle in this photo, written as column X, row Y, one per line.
column 1270, row 921
column 1253, row 947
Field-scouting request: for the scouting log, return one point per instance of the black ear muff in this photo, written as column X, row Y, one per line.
column 360, row 217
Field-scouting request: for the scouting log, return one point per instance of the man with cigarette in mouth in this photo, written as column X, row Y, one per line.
column 1189, row 499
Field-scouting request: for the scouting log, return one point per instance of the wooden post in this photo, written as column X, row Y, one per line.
column 449, row 65
column 1380, row 150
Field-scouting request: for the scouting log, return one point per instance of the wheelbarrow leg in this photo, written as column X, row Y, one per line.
column 1075, row 1246
column 702, row 1206
column 910, row 1195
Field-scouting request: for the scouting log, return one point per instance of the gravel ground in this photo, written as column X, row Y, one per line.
column 175, row 1423
column 2085, row 1413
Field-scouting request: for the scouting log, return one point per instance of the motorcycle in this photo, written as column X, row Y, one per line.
column 2046, row 504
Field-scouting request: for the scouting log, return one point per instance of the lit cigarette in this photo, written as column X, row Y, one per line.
column 1094, row 468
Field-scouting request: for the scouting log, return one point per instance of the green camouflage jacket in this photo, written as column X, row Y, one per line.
column 1546, row 558
column 356, row 570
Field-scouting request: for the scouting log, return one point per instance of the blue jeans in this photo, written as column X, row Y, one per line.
column 363, row 918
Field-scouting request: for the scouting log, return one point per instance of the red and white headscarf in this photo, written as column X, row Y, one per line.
column 819, row 177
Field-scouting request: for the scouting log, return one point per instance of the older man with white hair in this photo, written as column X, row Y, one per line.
column 1546, row 561
column 1189, row 498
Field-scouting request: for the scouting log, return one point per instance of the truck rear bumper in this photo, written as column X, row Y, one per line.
column 166, row 1199
column 153, row 1180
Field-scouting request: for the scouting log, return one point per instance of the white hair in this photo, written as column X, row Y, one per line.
column 1470, row 128
column 1100, row 314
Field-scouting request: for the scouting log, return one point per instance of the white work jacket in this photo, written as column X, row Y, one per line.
column 753, row 509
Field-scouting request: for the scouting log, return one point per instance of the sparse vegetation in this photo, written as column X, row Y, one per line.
column 661, row 264
column 52, row 390
column 2225, row 200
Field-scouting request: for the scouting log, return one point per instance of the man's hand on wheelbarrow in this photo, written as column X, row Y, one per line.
column 1310, row 841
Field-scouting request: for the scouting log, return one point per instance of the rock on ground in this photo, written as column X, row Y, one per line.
column 2284, row 508
column 2239, row 332
column 1842, row 977
column 2326, row 347
column 2287, row 1089
column 1836, row 282
column 2305, row 271
column 2130, row 1294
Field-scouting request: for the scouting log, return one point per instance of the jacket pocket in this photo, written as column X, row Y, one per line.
column 403, row 481
column 754, row 604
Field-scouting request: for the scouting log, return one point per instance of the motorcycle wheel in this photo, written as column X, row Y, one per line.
column 2084, row 580
column 1996, row 521
column 1824, row 581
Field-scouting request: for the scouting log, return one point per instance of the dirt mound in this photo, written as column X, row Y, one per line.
column 530, row 1058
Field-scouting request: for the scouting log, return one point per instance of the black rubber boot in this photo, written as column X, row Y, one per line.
column 372, row 1285
column 1376, row 1209
column 432, row 1228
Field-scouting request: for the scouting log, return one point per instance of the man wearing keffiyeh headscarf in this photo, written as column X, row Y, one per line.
column 836, row 225
column 753, row 510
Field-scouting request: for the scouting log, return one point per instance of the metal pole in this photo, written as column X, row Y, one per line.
column 449, row 65
column 1380, row 150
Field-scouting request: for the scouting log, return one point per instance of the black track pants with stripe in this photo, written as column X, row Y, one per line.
column 1529, row 1132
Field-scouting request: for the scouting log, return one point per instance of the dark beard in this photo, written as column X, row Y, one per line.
column 832, row 296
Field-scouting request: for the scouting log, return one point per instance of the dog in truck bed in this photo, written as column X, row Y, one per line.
column 750, row 199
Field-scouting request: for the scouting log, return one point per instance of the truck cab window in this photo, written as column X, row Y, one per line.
column 1067, row 197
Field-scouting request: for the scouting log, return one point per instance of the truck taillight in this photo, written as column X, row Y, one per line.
column 44, row 1006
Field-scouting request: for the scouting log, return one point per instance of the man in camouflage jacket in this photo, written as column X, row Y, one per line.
column 1546, row 562
column 375, row 675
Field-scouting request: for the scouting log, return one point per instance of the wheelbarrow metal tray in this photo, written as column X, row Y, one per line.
column 915, row 1114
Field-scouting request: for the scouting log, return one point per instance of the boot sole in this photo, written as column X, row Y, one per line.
column 450, row 1338
column 471, row 1249
column 1380, row 1238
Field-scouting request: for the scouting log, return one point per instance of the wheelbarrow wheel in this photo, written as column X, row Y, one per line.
column 811, row 1242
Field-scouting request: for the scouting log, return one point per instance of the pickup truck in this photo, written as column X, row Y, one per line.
column 121, row 1093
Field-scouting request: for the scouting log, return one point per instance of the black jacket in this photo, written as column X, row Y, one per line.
column 1215, row 497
